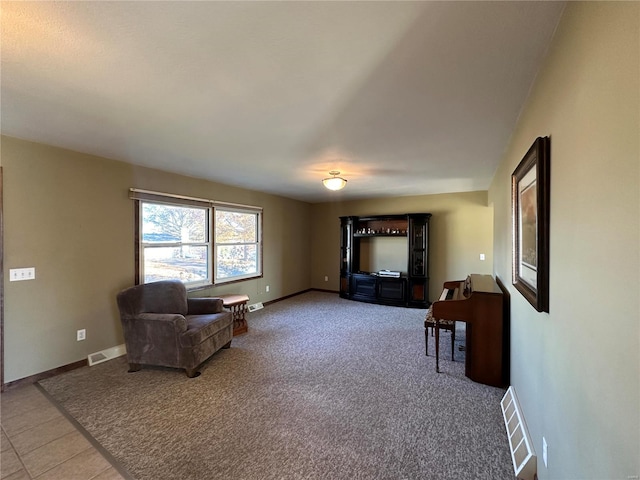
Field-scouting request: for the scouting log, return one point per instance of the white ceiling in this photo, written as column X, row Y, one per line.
column 404, row 98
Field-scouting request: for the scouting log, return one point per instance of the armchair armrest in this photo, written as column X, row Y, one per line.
column 202, row 306
column 158, row 324
column 163, row 320
column 153, row 338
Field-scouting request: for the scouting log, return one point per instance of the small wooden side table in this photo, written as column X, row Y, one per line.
column 238, row 306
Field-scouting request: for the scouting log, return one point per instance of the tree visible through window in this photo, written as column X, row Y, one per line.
column 237, row 244
column 196, row 241
column 175, row 243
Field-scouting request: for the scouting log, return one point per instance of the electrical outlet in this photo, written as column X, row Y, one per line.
column 81, row 335
column 544, row 451
column 267, row 289
column 482, row 256
column 326, row 279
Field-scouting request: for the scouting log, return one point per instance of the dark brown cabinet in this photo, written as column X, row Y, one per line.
column 404, row 245
column 418, row 244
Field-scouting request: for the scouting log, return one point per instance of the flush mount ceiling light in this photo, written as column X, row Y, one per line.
column 334, row 182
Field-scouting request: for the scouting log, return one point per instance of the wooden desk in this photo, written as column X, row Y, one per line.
column 238, row 306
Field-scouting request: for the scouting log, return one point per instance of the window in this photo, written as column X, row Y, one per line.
column 175, row 243
column 237, row 244
column 199, row 242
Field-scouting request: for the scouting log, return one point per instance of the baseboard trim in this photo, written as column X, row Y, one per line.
column 325, row 290
column 42, row 375
column 299, row 293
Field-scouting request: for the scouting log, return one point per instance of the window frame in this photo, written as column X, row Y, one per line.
column 257, row 243
column 146, row 196
column 207, row 243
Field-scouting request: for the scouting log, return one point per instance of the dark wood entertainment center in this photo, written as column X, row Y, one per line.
column 411, row 289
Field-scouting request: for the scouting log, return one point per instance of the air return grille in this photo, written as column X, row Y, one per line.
column 104, row 355
column 522, row 454
column 255, row 306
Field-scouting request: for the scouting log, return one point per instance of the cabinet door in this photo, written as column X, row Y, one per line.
column 345, row 280
column 346, row 255
column 363, row 286
column 417, row 247
column 418, row 268
column 391, row 290
column 417, row 292
column 346, row 239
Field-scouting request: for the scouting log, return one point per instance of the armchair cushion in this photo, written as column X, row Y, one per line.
column 199, row 306
column 201, row 327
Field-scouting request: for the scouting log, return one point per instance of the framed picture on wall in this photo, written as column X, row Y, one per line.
column 530, row 185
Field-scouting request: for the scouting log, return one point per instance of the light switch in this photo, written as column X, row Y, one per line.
column 18, row 274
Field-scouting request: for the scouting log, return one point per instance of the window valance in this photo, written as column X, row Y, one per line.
column 160, row 197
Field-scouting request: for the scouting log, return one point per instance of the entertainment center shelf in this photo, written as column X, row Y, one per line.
column 380, row 234
column 394, row 225
column 379, row 240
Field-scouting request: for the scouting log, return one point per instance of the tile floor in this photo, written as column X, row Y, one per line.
column 39, row 442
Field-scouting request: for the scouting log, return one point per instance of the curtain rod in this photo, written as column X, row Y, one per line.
column 193, row 199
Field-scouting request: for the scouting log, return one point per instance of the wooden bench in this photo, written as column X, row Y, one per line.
column 238, row 306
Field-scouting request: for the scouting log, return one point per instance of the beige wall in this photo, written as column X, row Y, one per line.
column 460, row 230
column 577, row 369
column 68, row 215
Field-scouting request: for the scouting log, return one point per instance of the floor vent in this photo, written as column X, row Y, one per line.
column 522, row 454
column 255, row 306
column 108, row 354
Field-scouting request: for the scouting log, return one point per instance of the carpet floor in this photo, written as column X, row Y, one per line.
column 319, row 388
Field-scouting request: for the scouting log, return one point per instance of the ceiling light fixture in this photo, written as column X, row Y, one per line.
column 334, row 182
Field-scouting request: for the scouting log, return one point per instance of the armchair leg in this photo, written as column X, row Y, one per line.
column 227, row 345
column 192, row 372
column 134, row 367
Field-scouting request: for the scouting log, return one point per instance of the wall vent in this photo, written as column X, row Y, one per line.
column 108, row 354
column 523, row 457
column 255, row 306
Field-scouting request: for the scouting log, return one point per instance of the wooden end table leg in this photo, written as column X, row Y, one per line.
column 239, row 320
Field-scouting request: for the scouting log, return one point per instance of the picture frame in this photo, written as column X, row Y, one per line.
column 530, row 201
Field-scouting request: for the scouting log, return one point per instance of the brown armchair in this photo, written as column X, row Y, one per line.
column 163, row 327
